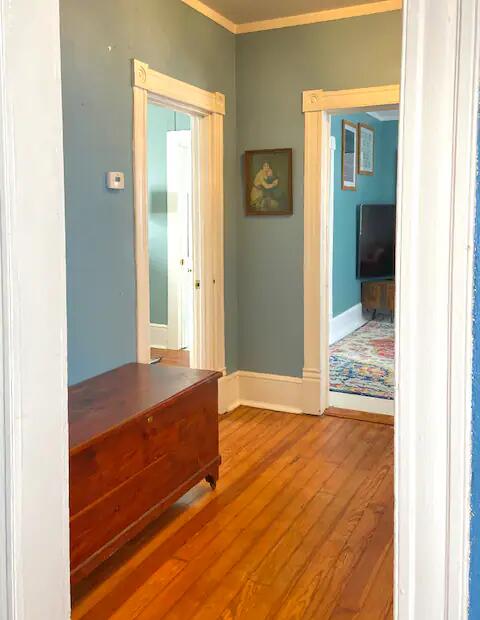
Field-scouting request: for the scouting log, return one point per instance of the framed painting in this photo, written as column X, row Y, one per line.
column 268, row 182
column 349, row 155
column 366, row 149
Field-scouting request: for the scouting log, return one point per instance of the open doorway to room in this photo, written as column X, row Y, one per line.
column 178, row 204
column 170, row 235
column 364, row 147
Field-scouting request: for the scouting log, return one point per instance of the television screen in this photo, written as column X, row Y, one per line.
column 376, row 241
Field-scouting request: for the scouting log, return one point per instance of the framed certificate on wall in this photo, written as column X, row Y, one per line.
column 349, row 155
column 366, row 149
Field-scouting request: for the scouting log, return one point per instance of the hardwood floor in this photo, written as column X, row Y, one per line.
column 300, row 527
column 170, row 357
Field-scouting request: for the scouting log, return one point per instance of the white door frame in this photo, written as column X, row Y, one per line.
column 435, row 218
column 436, row 198
column 207, row 110
column 34, row 516
column 317, row 107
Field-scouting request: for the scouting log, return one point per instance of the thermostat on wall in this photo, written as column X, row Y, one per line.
column 115, row 180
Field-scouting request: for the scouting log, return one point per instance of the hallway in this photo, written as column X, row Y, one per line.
column 300, row 526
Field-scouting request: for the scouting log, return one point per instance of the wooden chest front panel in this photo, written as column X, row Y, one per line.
column 119, row 455
column 123, row 475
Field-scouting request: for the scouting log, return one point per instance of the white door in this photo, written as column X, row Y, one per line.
column 180, row 264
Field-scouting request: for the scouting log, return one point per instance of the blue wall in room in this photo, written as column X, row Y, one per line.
column 160, row 120
column 98, row 41
column 475, row 500
column 272, row 70
column 379, row 188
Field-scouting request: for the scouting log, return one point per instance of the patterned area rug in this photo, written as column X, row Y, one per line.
column 363, row 362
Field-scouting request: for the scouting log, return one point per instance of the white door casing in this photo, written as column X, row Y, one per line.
column 436, row 198
column 207, row 110
column 34, row 517
column 317, row 107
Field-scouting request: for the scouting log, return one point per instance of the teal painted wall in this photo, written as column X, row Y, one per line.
column 98, row 40
column 273, row 68
column 160, row 120
column 379, row 188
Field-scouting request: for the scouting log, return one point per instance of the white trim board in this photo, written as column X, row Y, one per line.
column 356, row 402
column 317, row 106
column 438, row 114
column 158, row 336
column 286, row 394
column 368, row 8
column 346, row 323
column 265, row 391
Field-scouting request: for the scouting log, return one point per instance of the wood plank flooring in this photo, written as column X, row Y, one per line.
column 300, row 527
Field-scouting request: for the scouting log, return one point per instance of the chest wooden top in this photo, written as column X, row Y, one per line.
column 102, row 403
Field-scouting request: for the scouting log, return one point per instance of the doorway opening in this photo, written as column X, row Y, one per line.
column 362, row 225
column 178, row 220
column 170, row 235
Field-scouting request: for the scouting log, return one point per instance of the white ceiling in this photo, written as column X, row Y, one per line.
column 244, row 11
column 385, row 115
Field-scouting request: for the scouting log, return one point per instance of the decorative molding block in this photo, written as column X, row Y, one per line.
column 167, row 88
column 320, row 100
column 311, row 391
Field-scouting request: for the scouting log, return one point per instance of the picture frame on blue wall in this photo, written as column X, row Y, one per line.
column 349, row 155
column 366, row 149
column 268, row 182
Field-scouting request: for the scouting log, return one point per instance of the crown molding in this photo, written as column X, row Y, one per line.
column 218, row 18
column 369, row 8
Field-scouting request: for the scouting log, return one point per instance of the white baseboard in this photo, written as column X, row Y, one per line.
column 275, row 392
column 254, row 389
column 361, row 403
column 346, row 323
column 228, row 392
column 289, row 394
column 158, row 336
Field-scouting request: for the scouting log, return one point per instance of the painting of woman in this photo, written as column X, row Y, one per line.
column 268, row 190
column 265, row 189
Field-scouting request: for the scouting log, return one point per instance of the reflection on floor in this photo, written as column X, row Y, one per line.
column 169, row 357
column 300, row 526
column 363, row 362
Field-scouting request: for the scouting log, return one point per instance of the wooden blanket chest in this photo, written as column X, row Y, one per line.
column 140, row 437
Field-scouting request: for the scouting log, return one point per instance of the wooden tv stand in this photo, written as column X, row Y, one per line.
column 379, row 295
column 140, row 437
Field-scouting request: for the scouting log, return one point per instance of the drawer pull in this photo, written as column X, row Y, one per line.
column 150, row 419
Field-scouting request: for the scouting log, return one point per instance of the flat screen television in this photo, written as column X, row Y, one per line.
column 376, row 242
